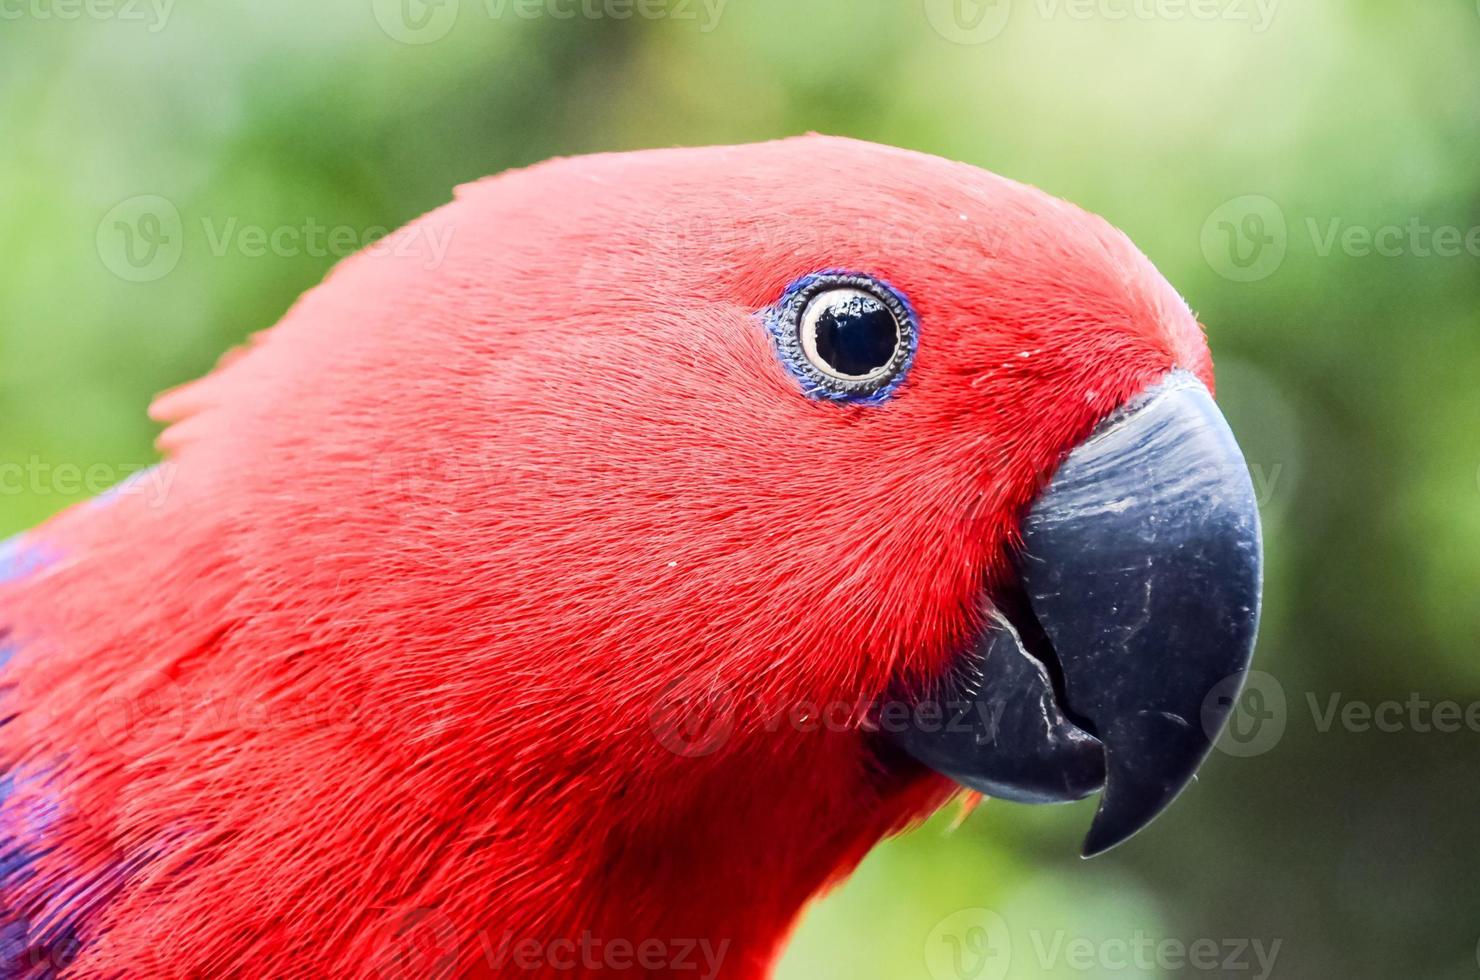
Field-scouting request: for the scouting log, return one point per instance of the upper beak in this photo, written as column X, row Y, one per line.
column 1137, row 595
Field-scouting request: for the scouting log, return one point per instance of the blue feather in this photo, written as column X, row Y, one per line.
column 19, row 558
column 24, row 953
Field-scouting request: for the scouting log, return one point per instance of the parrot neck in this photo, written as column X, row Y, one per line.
column 320, row 819
column 710, row 892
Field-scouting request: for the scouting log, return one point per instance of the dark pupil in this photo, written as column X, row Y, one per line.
column 856, row 335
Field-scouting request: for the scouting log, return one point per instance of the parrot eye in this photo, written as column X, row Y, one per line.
column 846, row 337
column 849, row 333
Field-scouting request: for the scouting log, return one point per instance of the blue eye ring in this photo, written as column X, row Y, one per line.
column 792, row 324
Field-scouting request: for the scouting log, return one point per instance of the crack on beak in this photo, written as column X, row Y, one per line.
column 1012, row 603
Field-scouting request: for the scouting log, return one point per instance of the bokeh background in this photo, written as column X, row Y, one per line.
column 1307, row 172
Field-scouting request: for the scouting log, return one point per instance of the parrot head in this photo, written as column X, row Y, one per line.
column 692, row 520
column 903, row 451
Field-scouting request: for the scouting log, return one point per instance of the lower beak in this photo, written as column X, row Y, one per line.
column 1137, row 595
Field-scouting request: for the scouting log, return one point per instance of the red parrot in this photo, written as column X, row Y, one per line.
column 587, row 601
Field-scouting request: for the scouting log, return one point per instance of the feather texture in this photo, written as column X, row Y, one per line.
column 494, row 602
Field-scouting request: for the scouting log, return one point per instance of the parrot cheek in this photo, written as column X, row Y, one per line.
column 1137, row 596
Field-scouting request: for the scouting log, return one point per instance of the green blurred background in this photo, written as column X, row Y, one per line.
column 1248, row 146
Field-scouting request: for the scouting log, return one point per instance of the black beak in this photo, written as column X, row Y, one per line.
column 1139, row 583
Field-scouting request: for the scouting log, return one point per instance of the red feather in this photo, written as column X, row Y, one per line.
column 387, row 678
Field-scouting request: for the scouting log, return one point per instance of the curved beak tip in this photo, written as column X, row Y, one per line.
column 1140, row 578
